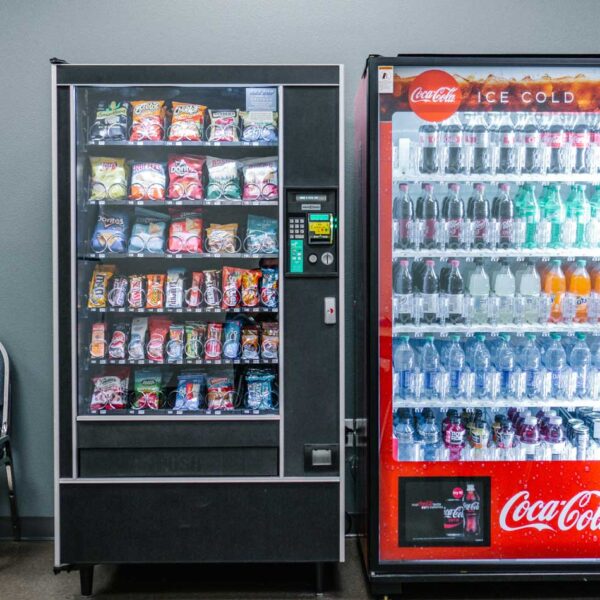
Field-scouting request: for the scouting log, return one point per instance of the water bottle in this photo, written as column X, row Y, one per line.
column 430, row 367
column 530, row 362
column 430, row 293
column 404, row 365
column 505, row 365
column 480, row 365
column 430, row 438
column 555, row 361
column 555, row 437
column 403, row 214
column 455, row 293
column 455, row 365
column 530, row 437
column 405, row 435
column 580, row 360
column 403, row 293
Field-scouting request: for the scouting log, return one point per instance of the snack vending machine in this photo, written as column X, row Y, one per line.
column 480, row 178
column 198, row 268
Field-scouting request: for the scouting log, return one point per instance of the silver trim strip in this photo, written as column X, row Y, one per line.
column 257, row 65
column 275, row 479
column 132, row 418
column 201, row 85
column 281, row 266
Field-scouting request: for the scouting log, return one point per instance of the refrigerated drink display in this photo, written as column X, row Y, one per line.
column 500, row 356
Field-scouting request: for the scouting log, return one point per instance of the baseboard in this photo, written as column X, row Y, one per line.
column 32, row 528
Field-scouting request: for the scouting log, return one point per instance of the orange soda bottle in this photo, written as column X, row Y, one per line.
column 580, row 287
column 555, row 285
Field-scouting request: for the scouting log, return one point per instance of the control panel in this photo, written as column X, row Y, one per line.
column 311, row 221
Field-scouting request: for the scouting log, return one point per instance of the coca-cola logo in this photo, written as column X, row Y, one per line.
column 471, row 506
column 434, row 95
column 454, row 513
column 580, row 512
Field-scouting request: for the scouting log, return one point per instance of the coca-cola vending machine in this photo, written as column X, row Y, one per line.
column 480, row 180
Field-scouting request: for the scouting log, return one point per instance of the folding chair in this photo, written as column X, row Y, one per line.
column 5, row 449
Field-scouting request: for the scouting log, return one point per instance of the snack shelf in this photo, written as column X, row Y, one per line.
column 204, row 310
column 191, row 361
column 497, row 253
column 591, row 178
column 521, row 328
column 206, row 255
column 497, row 403
column 161, row 203
column 181, row 144
column 181, row 415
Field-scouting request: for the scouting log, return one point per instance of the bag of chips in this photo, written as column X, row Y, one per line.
column 148, row 233
column 148, row 181
column 250, row 293
column 147, row 392
column 98, row 343
column 174, row 295
column 250, row 343
column 223, row 179
column 212, row 288
column 220, row 393
column 110, row 124
column 232, row 337
column 269, row 347
column 185, row 233
column 224, row 126
column 260, row 179
column 118, row 293
column 261, row 235
column 110, row 233
column 187, row 123
column 117, row 348
column 159, row 329
column 148, row 120
column 137, row 345
column 137, row 293
column 108, row 178
column 222, row 238
column 97, row 296
column 232, row 285
column 109, row 391
column 259, row 126
column 213, row 347
column 191, row 388
column 175, row 343
column 185, row 177
column 155, row 295
column 269, row 288
column 194, row 340
column 259, row 390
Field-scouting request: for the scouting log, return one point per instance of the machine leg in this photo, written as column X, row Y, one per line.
column 86, row 577
column 319, row 576
column 12, row 497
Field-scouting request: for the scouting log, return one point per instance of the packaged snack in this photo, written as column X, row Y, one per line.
column 175, row 343
column 110, row 233
column 224, row 126
column 110, row 124
column 250, row 343
column 193, row 295
column 147, row 391
column 185, row 177
column 232, row 334
column 222, row 238
column 137, row 344
column 194, row 339
column 212, row 288
column 147, row 120
column 155, row 295
column 159, row 329
column 191, row 388
column 220, row 393
column 259, row 126
column 148, row 233
column 136, row 295
column 118, row 293
column 187, row 123
column 109, row 391
column 185, row 233
column 98, row 343
column 108, row 179
column 99, row 285
column 213, row 347
column 260, row 179
column 269, row 288
column 232, row 284
column 259, row 390
column 269, row 347
column 261, row 235
column 174, row 293
column 250, row 293
column 223, row 179
column 119, row 340
column 148, row 181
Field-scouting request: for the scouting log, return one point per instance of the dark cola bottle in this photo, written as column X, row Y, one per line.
column 580, row 144
column 453, row 142
column 480, row 145
column 403, row 216
column 507, row 152
column 556, row 142
column 531, row 146
column 429, row 142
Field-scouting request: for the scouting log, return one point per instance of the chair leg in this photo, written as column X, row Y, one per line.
column 12, row 497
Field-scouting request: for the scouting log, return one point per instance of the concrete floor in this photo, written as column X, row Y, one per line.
column 26, row 574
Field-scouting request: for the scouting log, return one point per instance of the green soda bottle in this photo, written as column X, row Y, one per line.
column 553, row 211
column 578, row 213
column 531, row 214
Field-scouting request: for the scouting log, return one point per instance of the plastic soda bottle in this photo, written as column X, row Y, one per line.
column 503, row 213
column 403, row 293
column 528, row 287
column 530, row 211
column 530, row 437
column 453, row 213
column 479, row 290
column 578, row 213
column 454, row 437
column 504, row 289
column 555, row 437
column 427, row 212
column 555, row 286
column 594, row 237
column 405, row 435
column 403, row 213
column 580, row 288
column 404, row 365
column 430, row 293
column 455, row 292
column 553, row 212
column 478, row 211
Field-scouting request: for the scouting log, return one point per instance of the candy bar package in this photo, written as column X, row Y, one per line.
column 260, row 179
column 137, row 345
column 259, row 390
column 148, row 181
column 224, row 126
column 269, row 347
column 250, row 343
column 117, row 349
column 193, row 295
column 223, row 179
column 148, row 233
column 98, row 293
column 185, row 233
column 187, row 122
column 250, row 292
column 261, row 235
column 191, row 389
column 108, row 178
column 222, row 238
column 155, row 295
column 259, row 126
column 159, row 329
column 176, row 342
column 147, row 391
column 110, row 233
column 110, row 124
column 185, row 177
column 269, row 288
column 136, row 294
column 98, row 342
column 174, row 293
column 109, row 391
column 194, row 340
column 232, row 285
column 148, row 120
column 220, row 393
column 117, row 296
column 212, row 288
column 213, row 347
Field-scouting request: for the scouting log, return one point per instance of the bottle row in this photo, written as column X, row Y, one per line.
column 430, row 435
column 549, row 292
column 499, row 368
column 525, row 220
column 507, row 143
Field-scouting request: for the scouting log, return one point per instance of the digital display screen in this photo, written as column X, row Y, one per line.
column 311, row 197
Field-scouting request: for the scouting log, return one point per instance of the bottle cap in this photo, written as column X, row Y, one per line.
column 555, row 420
column 429, row 338
column 556, row 262
column 480, row 337
column 530, row 336
column 581, row 262
column 403, row 187
column 455, row 263
column 531, row 420
column 404, row 262
column 505, row 337
column 454, row 187
column 580, row 336
column 429, row 262
column 404, row 338
column 555, row 336
column 455, row 338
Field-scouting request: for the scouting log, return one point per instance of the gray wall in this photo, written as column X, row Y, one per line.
column 296, row 31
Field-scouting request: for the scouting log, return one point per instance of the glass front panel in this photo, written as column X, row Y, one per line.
column 489, row 308
column 177, row 244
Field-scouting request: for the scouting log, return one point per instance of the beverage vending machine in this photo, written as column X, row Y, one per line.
column 480, row 181
column 199, row 310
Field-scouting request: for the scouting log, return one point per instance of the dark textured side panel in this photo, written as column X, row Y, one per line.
column 242, row 522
